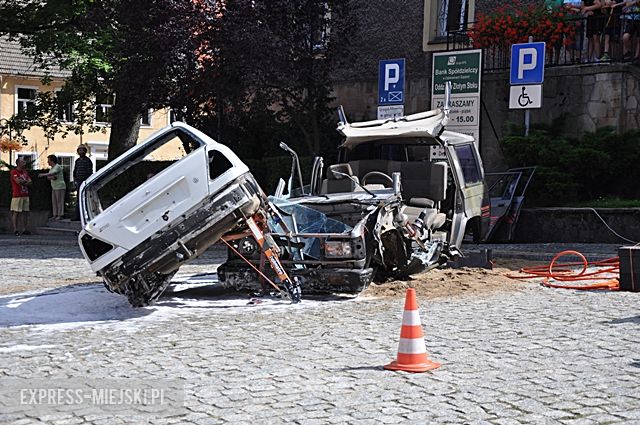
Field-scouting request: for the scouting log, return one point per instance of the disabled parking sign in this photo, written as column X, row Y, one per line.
column 391, row 82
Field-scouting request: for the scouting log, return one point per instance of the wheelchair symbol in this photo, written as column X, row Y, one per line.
column 524, row 99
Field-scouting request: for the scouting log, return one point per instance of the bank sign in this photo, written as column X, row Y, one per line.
column 464, row 70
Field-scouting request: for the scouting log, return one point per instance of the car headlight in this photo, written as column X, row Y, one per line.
column 337, row 249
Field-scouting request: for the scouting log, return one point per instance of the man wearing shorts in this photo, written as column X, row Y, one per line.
column 20, row 182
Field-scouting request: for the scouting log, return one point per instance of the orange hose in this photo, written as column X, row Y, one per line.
column 565, row 272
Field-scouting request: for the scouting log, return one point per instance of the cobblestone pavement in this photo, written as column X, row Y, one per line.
column 536, row 356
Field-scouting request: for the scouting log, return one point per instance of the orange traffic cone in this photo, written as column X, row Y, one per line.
column 412, row 353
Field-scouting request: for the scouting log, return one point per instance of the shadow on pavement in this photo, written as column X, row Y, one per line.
column 66, row 305
column 82, row 303
column 207, row 286
column 356, row 368
column 635, row 319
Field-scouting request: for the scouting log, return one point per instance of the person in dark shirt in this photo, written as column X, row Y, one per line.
column 82, row 169
column 595, row 24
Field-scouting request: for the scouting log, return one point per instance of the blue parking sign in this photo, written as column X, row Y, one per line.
column 527, row 63
column 391, row 82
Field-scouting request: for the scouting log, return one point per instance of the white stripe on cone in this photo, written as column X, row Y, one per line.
column 412, row 346
column 411, row 318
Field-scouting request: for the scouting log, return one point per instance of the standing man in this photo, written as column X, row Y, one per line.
column 82, row 169
column 20, row 182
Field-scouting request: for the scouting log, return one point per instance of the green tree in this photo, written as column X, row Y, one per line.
column 276, row 63
column 143, row 51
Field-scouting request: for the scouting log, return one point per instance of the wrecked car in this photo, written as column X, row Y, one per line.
column 143, row 217
column 399, row 201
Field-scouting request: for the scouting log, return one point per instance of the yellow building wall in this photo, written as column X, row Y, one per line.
column 37, row 143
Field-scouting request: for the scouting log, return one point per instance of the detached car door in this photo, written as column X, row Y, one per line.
column 472, row 197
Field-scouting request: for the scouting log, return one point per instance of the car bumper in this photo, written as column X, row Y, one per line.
column 316, row 280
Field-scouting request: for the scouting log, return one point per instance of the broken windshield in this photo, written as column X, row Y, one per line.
column 301, row 219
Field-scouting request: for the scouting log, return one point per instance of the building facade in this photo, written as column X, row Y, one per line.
column 21, row 80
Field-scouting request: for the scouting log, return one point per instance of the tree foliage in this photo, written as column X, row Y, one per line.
column 248, row 72
column 272, row 76
column 143, row 51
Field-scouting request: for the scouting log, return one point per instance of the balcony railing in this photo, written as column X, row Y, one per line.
column 569, row 51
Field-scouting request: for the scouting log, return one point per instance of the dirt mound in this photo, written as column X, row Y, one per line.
column 456, row 282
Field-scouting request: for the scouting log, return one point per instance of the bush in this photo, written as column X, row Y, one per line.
column 39, row 191
column 602, row 164
column 515, row 22
column 267, row 171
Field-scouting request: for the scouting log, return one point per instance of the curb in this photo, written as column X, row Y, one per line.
column 546, row 257
column 11, row 240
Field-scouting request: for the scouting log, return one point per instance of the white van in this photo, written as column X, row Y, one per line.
column 399, row 201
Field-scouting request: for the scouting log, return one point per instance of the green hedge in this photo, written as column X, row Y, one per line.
column 267, row 171
column 602, row 164
column 39, row 191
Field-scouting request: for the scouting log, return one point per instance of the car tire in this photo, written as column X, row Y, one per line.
column 145, row 288
column 474, row 228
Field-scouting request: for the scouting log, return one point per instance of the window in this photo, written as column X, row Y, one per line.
column 452, row 16
column 66, row 161
column 66, row 108
column 26, row 101
column 441, row 16
column 218, row 164
column 65, row 112
column 145, row 120
column 104, row 103
column 469, row 164
column 30, row 159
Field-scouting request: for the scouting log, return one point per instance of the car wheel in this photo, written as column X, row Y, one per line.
column 145, row 288
column 473, row 228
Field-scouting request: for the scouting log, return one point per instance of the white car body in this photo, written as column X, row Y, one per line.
column 145, row 236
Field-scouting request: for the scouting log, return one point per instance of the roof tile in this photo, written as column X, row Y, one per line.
column 14, row 62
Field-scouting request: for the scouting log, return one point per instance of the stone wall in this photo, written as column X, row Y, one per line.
column 578, row 225
column 36, row 219
column 585, row 97
column 384, row 29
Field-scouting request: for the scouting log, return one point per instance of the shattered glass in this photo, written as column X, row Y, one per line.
column 302, row 219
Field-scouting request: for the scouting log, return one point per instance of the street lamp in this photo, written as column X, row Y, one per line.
column 5, row 123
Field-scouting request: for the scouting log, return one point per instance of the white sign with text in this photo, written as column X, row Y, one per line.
column 390, row 111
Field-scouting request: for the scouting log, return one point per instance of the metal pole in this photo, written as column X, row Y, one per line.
column 527, row 113
column 9, row 125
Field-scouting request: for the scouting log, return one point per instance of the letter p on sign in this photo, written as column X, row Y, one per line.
column 391, row 75
column 527, row 64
